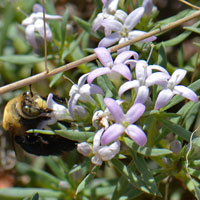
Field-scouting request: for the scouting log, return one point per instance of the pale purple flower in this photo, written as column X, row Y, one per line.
column 123, row 30
column 82, row 92
column 102, row 118
column 108, row 12
column 113, row 69
column 58, row 113
column 103, row 153
column 172, row 88
column 124, row 123
column 148, row 6
column 34, row 23
column 144, row 79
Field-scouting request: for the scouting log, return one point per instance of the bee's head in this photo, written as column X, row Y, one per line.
column 33, row 105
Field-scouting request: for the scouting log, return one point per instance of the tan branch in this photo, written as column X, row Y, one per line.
column 189, row 4
column 44, row 75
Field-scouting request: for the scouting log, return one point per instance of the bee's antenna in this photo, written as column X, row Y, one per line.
column 45, row 37
column 31, row 92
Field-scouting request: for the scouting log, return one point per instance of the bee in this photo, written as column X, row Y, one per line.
column 29, row 111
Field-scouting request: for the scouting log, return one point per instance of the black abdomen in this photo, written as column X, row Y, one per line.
column 44, row 145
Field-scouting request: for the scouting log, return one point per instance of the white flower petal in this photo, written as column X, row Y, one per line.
column 120, row 15
column 159, row 68
column 28, row 21
column 114, row 109
column 163, row 98
column 142, row 70
column 72, row 103
column 124, row 56
column 82, row 79
column 109, row 40
column 52, row 17
column 97, row 72
column 39, row 26
column 133, row 18
column 108, row 152
column 30, row 36
column 134, row 113
column 97, row 140
column 112, row 24
column 85, row 94
column 142, row 94
column 123, row 70
column 97, row 22
column 112, row 6
column 177, row 76
column 94, row 89
column 74, row 89
column 131, row 62
column 148, row 6
column 136, row 134
column 59, row 112
column 104, row 56
column 157, row 78
column 135, row 33
column 128, row 85
column 185, row 92
column 112, row 133
column 96, row 160
column 39, row 15
column 84, row 148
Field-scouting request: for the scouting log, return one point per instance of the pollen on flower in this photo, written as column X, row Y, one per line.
column 125, row 124
column 124, row 32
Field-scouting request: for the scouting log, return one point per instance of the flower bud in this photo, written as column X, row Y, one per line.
column 175, row 146
column 84, row 148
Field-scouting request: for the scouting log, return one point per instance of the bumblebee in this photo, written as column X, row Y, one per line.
column 28, row 111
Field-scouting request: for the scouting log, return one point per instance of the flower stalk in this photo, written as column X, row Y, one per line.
column 44, row 75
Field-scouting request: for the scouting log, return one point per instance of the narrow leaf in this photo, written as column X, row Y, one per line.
column 86, row 180
column 197, row 192
column 63, row 27
column 177, row 129
column 130, row 176
column 146, row 174
column 22, row 59
column 176, row 40
column 162, row 57
column 36, row 197
column 146, row 151
column 56, row 169
column 18, row 193
column 75, row 135
column 124, row 192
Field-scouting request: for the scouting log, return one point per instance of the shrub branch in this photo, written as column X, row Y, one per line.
column 44, row 75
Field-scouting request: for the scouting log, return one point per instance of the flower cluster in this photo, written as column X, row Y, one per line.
column 34, row 23
column 118, row 25
column 116, row 117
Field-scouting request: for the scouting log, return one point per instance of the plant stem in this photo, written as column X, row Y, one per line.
column 44, row 75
